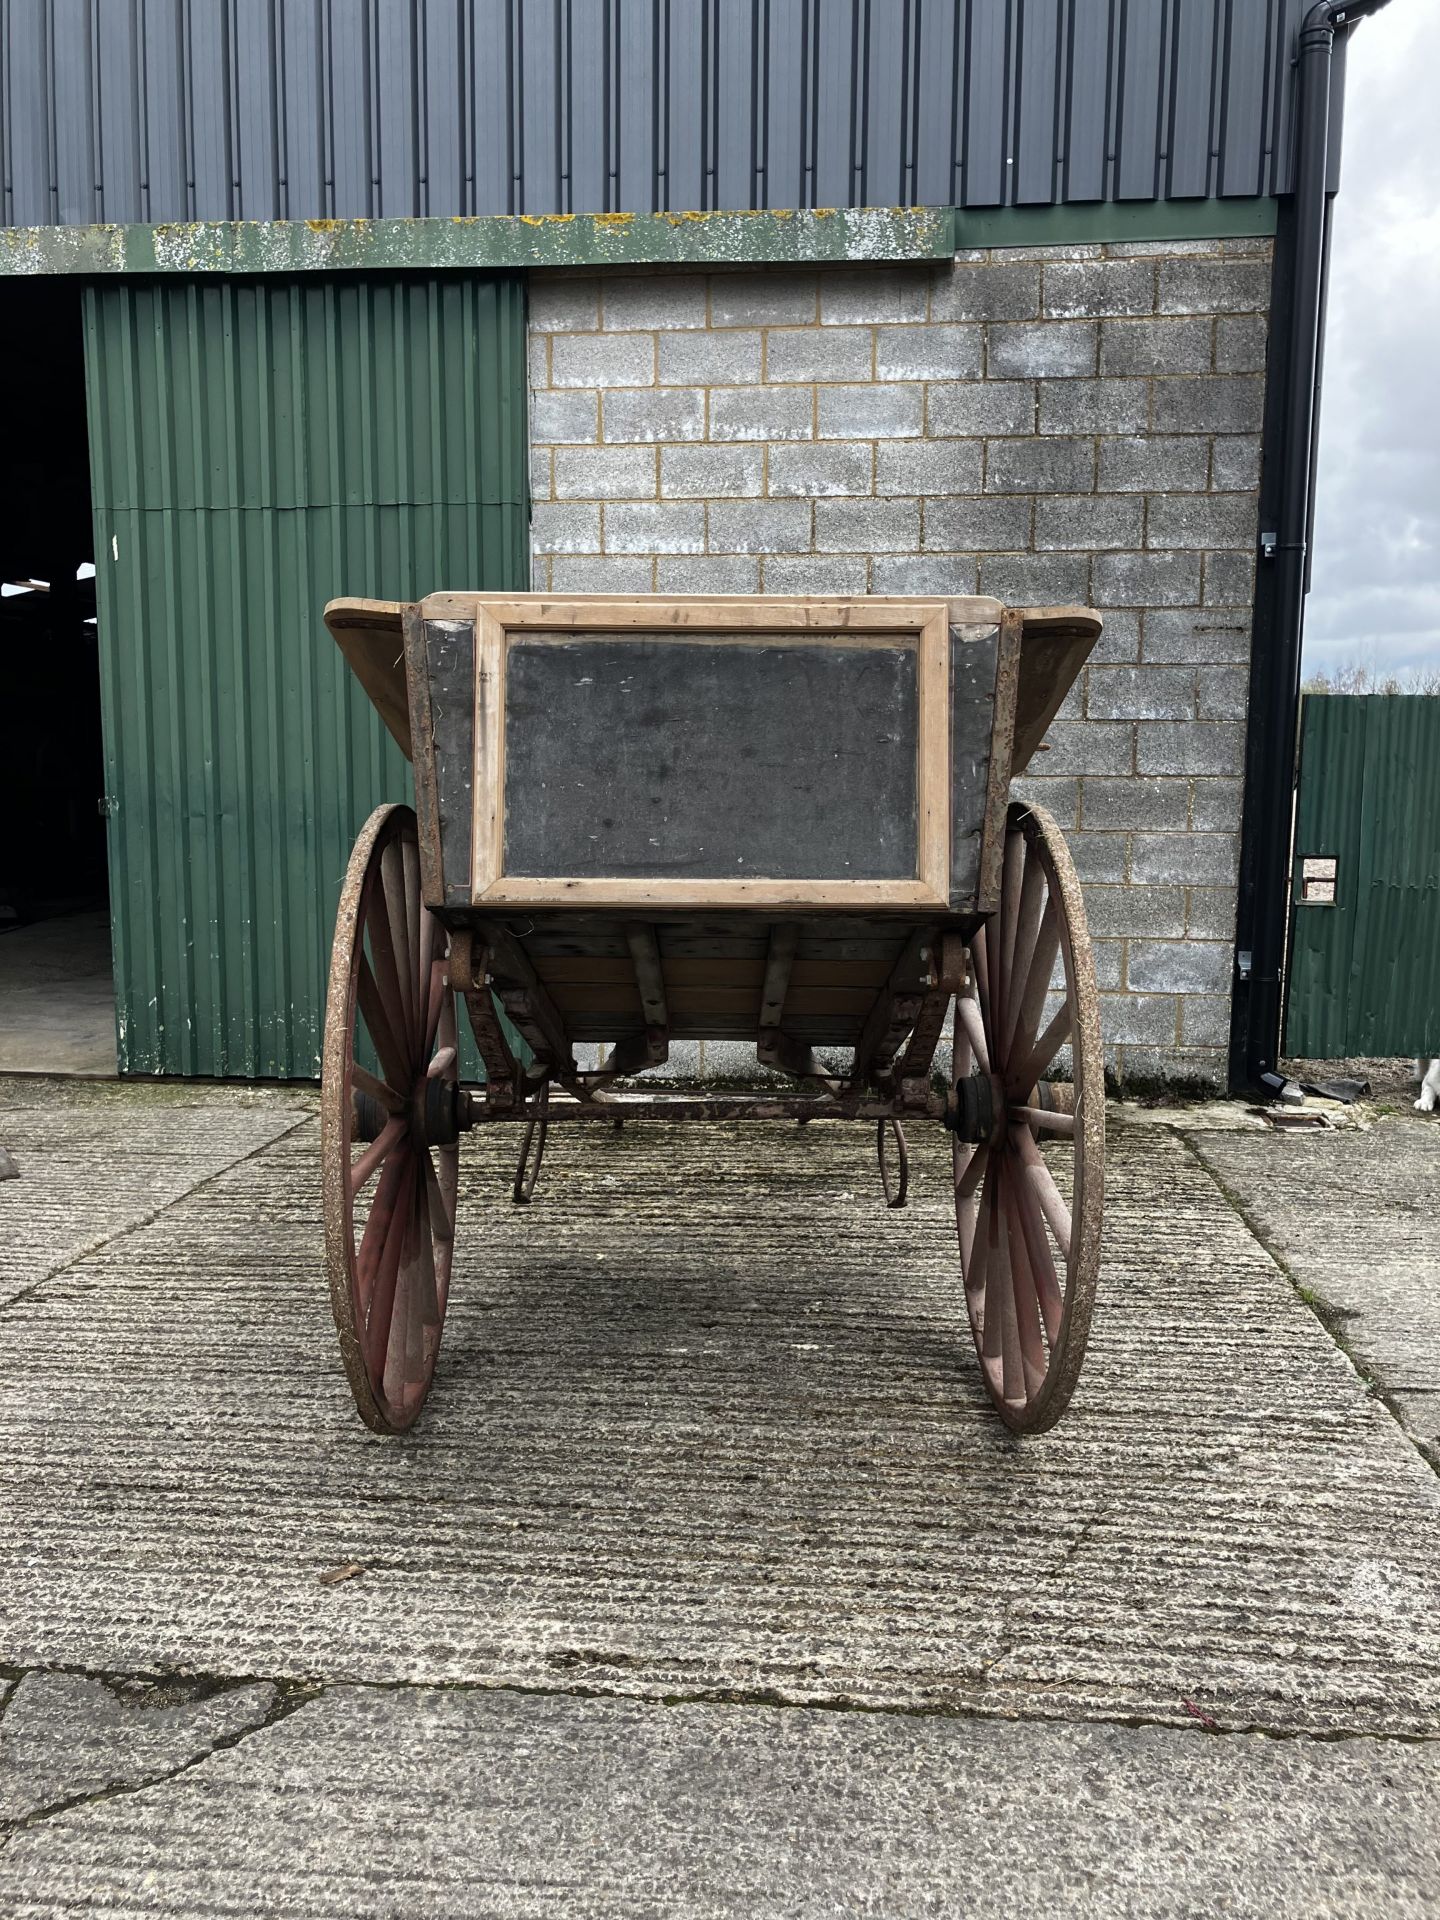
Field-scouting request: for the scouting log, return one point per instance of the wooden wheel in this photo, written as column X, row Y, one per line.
column 1028, row 1197
column 389, row 1162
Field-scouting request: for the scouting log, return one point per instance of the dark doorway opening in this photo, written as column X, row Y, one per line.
column 56, row 986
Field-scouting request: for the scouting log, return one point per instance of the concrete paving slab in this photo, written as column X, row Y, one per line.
column 709, row 1425
column 1354, row 1218
column 443, row 1803
column 97, row 1158
column 68, row 1736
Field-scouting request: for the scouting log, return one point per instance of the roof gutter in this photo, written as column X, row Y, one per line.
column 1287, row 510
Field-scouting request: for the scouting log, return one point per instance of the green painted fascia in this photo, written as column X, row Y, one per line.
column 1113, row 222
column 487, row 241
column 854, row 234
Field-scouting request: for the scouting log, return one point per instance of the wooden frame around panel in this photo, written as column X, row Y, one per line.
column 923, row 624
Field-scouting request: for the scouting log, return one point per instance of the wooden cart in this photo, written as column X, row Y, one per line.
column 779, row 820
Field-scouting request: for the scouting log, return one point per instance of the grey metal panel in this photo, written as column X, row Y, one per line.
column 937, row 180
column 588, row 58
column 118, row 196
column 537, row 137
column 1142, row 40
column 635, row 120
column 1037, row 96
column 165, row 122
column 303, row 186
column 1193, row 98
column 833, row 79
column 985, row 133
column 888, row 69
column 317, row 109
column 256, row 137
column 1244, row 89
column 739, row 76
column 73, row 51
column 630, row 758
column 206, row 104
column 1085, row 140
column 399, row 98
column 29, row 201
column 350, row 118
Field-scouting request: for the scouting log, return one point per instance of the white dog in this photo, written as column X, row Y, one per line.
column 1429, row 1085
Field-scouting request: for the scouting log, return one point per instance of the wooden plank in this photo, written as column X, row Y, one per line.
column 422, row 738
column 781, row 897
column 369, row 634
column 1055, row 644
column 649, row 979
column 486, row 846
column 577, row 997
column 738, row 612
column 997, row 797
column 706, row 970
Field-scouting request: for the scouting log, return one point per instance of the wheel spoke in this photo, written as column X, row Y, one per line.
column 1032, row 1067
column 442, row 1216
column 1043, row 1118
column 967, row 1011
column 394, row 1130
column 434, row 1007
column 974, row 1173
column 1052, row 1201
column 389, row 966
column 1010, row 896
column 1041, row 1261
column 379, row 1090
column 980, row 970
column 382, row 1209
column 1031, row 998
column 1032, row 906
column 441, row 1064
column 392, row 878
column 1026, row 1292
column 381, row 1311
column 975, row 1258
column 394, row 1062
column 428, row 975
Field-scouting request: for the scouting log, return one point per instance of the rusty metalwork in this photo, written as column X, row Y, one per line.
column 527, row 1171
column 896, row 1008
column 896, row 1185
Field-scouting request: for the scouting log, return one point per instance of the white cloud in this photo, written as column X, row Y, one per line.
column 1376, row 591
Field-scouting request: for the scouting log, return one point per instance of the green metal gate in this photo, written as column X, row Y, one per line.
column 258, row 447
column 1364, row 975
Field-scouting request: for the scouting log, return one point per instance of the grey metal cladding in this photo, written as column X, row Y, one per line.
column 156, row 110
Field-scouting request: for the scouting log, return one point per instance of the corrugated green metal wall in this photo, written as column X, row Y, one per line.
column 258, row 448
column 1363, row 979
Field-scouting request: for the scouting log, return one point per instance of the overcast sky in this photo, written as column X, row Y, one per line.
column 1376, row 592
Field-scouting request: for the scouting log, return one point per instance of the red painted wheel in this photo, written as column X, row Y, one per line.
column 1029, row 1197
column 389, row 1159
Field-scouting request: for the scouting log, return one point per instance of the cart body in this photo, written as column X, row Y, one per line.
column 782, row 820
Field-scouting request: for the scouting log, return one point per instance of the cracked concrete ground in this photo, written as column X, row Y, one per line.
column 707, row 1463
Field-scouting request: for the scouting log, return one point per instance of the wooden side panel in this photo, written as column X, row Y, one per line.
column 650, row 757
column 973, row 653
column 450, row 674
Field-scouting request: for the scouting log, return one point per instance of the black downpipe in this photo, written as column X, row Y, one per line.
column 1286, row 508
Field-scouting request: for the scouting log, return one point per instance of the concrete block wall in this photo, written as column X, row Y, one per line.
column 1064, row 424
